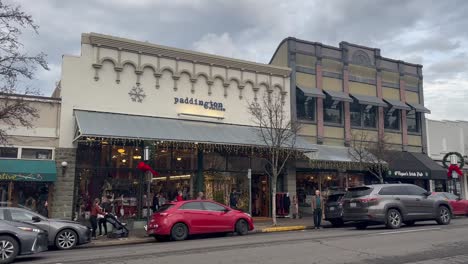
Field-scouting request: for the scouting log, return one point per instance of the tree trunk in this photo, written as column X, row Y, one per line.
column 273, row 199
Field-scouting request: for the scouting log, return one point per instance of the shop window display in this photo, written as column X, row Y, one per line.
column 33, row 195
column 220, row 185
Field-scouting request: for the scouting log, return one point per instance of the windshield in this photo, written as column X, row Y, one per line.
column 335, row 197
column 358, row 192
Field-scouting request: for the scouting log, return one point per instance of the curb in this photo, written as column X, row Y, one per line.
column 283, row 229
column 121, row 242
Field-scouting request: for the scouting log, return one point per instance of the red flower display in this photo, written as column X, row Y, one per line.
column 145, row 167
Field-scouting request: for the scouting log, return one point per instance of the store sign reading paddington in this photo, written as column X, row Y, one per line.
column 408, row 174
column 209, row 105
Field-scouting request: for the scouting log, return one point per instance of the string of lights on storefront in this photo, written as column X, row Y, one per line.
column 165, row 146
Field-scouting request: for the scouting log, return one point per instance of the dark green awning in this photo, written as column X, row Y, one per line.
column 27, row 170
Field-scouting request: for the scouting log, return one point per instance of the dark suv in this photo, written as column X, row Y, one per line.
column 392, row 205
column 334, row 208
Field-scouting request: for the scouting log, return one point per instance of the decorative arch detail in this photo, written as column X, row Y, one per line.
column 361, row 58
column 175, row 74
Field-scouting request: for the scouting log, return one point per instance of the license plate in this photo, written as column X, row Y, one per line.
column 332, row 208
column 352, row 205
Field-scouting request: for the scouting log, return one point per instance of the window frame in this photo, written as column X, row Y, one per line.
column 18, row 151
column 386, row 110
column 362, row 112
column 417, row 118
column 340, row 104
column 306, row 118
column 36, row 150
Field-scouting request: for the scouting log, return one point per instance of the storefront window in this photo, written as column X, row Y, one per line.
column 220, row 185
column 238, row 163
column 392, row 119
column 332, row 111
column 413, row 121
column 184, row 159
column 32, row 195
column 308, row 182
column 214, row 161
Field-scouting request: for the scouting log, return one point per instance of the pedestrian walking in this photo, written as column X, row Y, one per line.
column 95, row 210
column 201, row 196
column 317, row 208
column 155, row 202
column 106, row 208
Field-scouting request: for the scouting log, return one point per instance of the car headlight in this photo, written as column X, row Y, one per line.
column 29, row 229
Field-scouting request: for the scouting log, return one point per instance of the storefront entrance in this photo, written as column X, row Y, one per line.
column 260, row 195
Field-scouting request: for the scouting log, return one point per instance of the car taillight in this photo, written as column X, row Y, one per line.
column 368, row 200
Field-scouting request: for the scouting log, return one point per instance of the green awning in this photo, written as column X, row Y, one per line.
column 28, row 170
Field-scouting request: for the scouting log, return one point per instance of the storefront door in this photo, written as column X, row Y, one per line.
column 260, row 195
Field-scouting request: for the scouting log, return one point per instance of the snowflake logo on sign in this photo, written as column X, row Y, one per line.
column 137, row 94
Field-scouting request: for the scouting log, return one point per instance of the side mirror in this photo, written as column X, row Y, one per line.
column 36, row 219
column 226, row 210
column 427, row 194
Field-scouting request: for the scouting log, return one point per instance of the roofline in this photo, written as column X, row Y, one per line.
column 27, row 96
column 113, row 42
column 339, row 49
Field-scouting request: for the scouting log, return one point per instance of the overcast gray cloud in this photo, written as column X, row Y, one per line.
column 429, row 32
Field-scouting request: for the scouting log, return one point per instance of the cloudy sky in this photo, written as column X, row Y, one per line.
column 432, row 33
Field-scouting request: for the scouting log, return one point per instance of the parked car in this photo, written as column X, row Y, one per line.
column 334, row 208
column 393, row 205
column 18, row 238
column 63, row 234
column 178, row 220
column 459, row 206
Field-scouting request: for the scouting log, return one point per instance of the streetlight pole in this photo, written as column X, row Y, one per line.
column 249, row 176
column 149, row 178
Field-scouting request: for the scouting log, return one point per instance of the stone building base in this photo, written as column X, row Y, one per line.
column 62, row 204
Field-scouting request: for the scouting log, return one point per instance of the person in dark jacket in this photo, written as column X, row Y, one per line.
column 233, row 199
column 287, row 204
column 155, row 202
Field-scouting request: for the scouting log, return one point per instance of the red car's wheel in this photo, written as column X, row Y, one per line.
column 179, row 232
column 242, row 228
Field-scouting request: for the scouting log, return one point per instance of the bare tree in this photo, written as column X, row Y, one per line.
column 372, row 155
column 15, row 65
column 278, row 133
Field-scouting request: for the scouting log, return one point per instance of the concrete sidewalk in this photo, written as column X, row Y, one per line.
column 262, row 225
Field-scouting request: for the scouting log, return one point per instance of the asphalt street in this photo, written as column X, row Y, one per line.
column 426, row 242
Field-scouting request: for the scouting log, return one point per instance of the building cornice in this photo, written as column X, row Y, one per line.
column 117, row 43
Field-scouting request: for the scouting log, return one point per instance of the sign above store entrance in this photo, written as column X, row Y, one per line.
column 408, row 174
column 209, row 105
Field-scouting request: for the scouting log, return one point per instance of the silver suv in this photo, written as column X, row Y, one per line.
column 392, row 205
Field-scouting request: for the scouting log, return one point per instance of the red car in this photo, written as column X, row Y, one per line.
column 178, row 220
column 459, row 206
